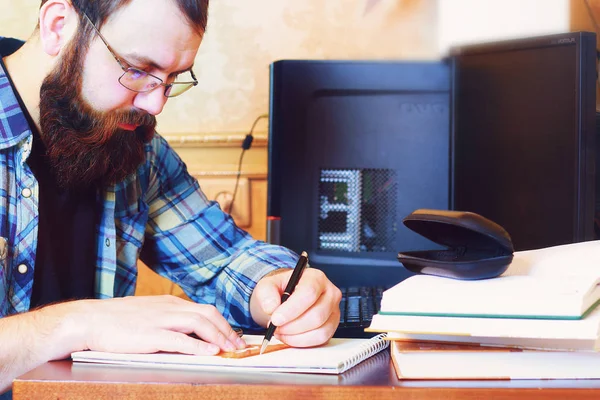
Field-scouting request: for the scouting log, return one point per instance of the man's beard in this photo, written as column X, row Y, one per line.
column 86, row 148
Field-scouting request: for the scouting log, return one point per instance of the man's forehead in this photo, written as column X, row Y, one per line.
column 162, row 35
column 151, row 18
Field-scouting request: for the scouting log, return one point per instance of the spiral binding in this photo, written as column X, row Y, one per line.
column 366, row 350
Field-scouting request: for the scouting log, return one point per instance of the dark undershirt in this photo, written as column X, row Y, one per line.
column 66, row 250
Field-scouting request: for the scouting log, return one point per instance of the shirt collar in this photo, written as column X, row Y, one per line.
column 13, row 123
column 14, row 126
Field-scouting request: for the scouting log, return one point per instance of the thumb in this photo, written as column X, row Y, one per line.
column 269, row 296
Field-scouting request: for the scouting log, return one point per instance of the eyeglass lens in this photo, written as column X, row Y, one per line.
column 140, row 81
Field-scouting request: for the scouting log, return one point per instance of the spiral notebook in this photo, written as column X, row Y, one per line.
column 335, row 357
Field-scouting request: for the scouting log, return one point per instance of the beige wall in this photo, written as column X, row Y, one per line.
column 18, row 18
column 476, row 21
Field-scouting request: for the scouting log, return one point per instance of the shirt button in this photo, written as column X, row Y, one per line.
column 107, row 242
column 26, row 193
column 22, row 269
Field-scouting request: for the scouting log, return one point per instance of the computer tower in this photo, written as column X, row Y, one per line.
column 355, row 146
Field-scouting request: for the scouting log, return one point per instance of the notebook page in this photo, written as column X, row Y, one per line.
column 334, row 357
column 558, row 262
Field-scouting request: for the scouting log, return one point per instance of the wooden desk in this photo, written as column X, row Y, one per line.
column 373, row 379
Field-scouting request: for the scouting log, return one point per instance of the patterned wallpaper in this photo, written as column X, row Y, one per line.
column 244, row 37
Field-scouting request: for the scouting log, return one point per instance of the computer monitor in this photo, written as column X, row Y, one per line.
column 523, row 127
column 354, row 146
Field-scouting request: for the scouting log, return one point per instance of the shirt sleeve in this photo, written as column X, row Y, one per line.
column 191, row 241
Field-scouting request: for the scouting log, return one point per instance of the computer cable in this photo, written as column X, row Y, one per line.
column 246, row 144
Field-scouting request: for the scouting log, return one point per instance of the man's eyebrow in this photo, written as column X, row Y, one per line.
column 140, row 60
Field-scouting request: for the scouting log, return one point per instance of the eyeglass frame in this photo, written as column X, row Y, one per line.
column 126, row 67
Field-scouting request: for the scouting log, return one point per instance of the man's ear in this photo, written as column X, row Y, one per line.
column 58, row 24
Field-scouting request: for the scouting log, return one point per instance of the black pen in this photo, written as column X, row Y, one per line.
column 289, row 289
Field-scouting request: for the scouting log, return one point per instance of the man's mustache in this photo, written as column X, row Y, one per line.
column 134, row 117
column 108, row 123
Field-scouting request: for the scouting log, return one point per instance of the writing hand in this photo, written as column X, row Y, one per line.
column 310, row 315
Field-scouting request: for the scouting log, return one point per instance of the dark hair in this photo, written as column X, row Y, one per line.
column 98, row 11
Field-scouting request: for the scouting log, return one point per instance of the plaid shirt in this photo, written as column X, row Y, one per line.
column 158, row 214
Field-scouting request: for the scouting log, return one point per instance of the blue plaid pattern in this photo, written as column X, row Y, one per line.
column 158, row 214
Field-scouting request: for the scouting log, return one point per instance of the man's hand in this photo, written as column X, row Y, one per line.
column 308, row 317
column 154, row 323
column 131, row 324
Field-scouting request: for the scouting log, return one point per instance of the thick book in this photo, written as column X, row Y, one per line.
column 559, row 282
column 435, row 361
column 555, row 334
column 562, row 344
column 335, row 357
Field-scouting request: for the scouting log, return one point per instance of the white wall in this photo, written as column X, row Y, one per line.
column 471, row 21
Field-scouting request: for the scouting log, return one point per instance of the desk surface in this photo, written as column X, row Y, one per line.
column 374, row 378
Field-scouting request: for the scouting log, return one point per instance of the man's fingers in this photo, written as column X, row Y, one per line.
column 306, row 294
column 316, row 316
column 313, row 337
column 204, row 328
column 210, row 315
column 176, row 342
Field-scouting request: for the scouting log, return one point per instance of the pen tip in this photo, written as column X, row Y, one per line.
column 265, row 343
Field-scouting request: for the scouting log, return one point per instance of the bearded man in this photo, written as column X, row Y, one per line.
column 87, row 187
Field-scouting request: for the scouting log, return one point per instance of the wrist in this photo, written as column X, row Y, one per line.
column 62, row 327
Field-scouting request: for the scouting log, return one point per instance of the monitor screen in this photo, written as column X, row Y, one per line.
column 523, row 136
column 354, row 147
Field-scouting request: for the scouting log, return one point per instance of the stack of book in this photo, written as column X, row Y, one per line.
column 538, row 320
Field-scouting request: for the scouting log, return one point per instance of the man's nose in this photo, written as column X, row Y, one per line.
column 152, row 102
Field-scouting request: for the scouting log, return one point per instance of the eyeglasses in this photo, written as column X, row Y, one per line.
column 140, row 81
